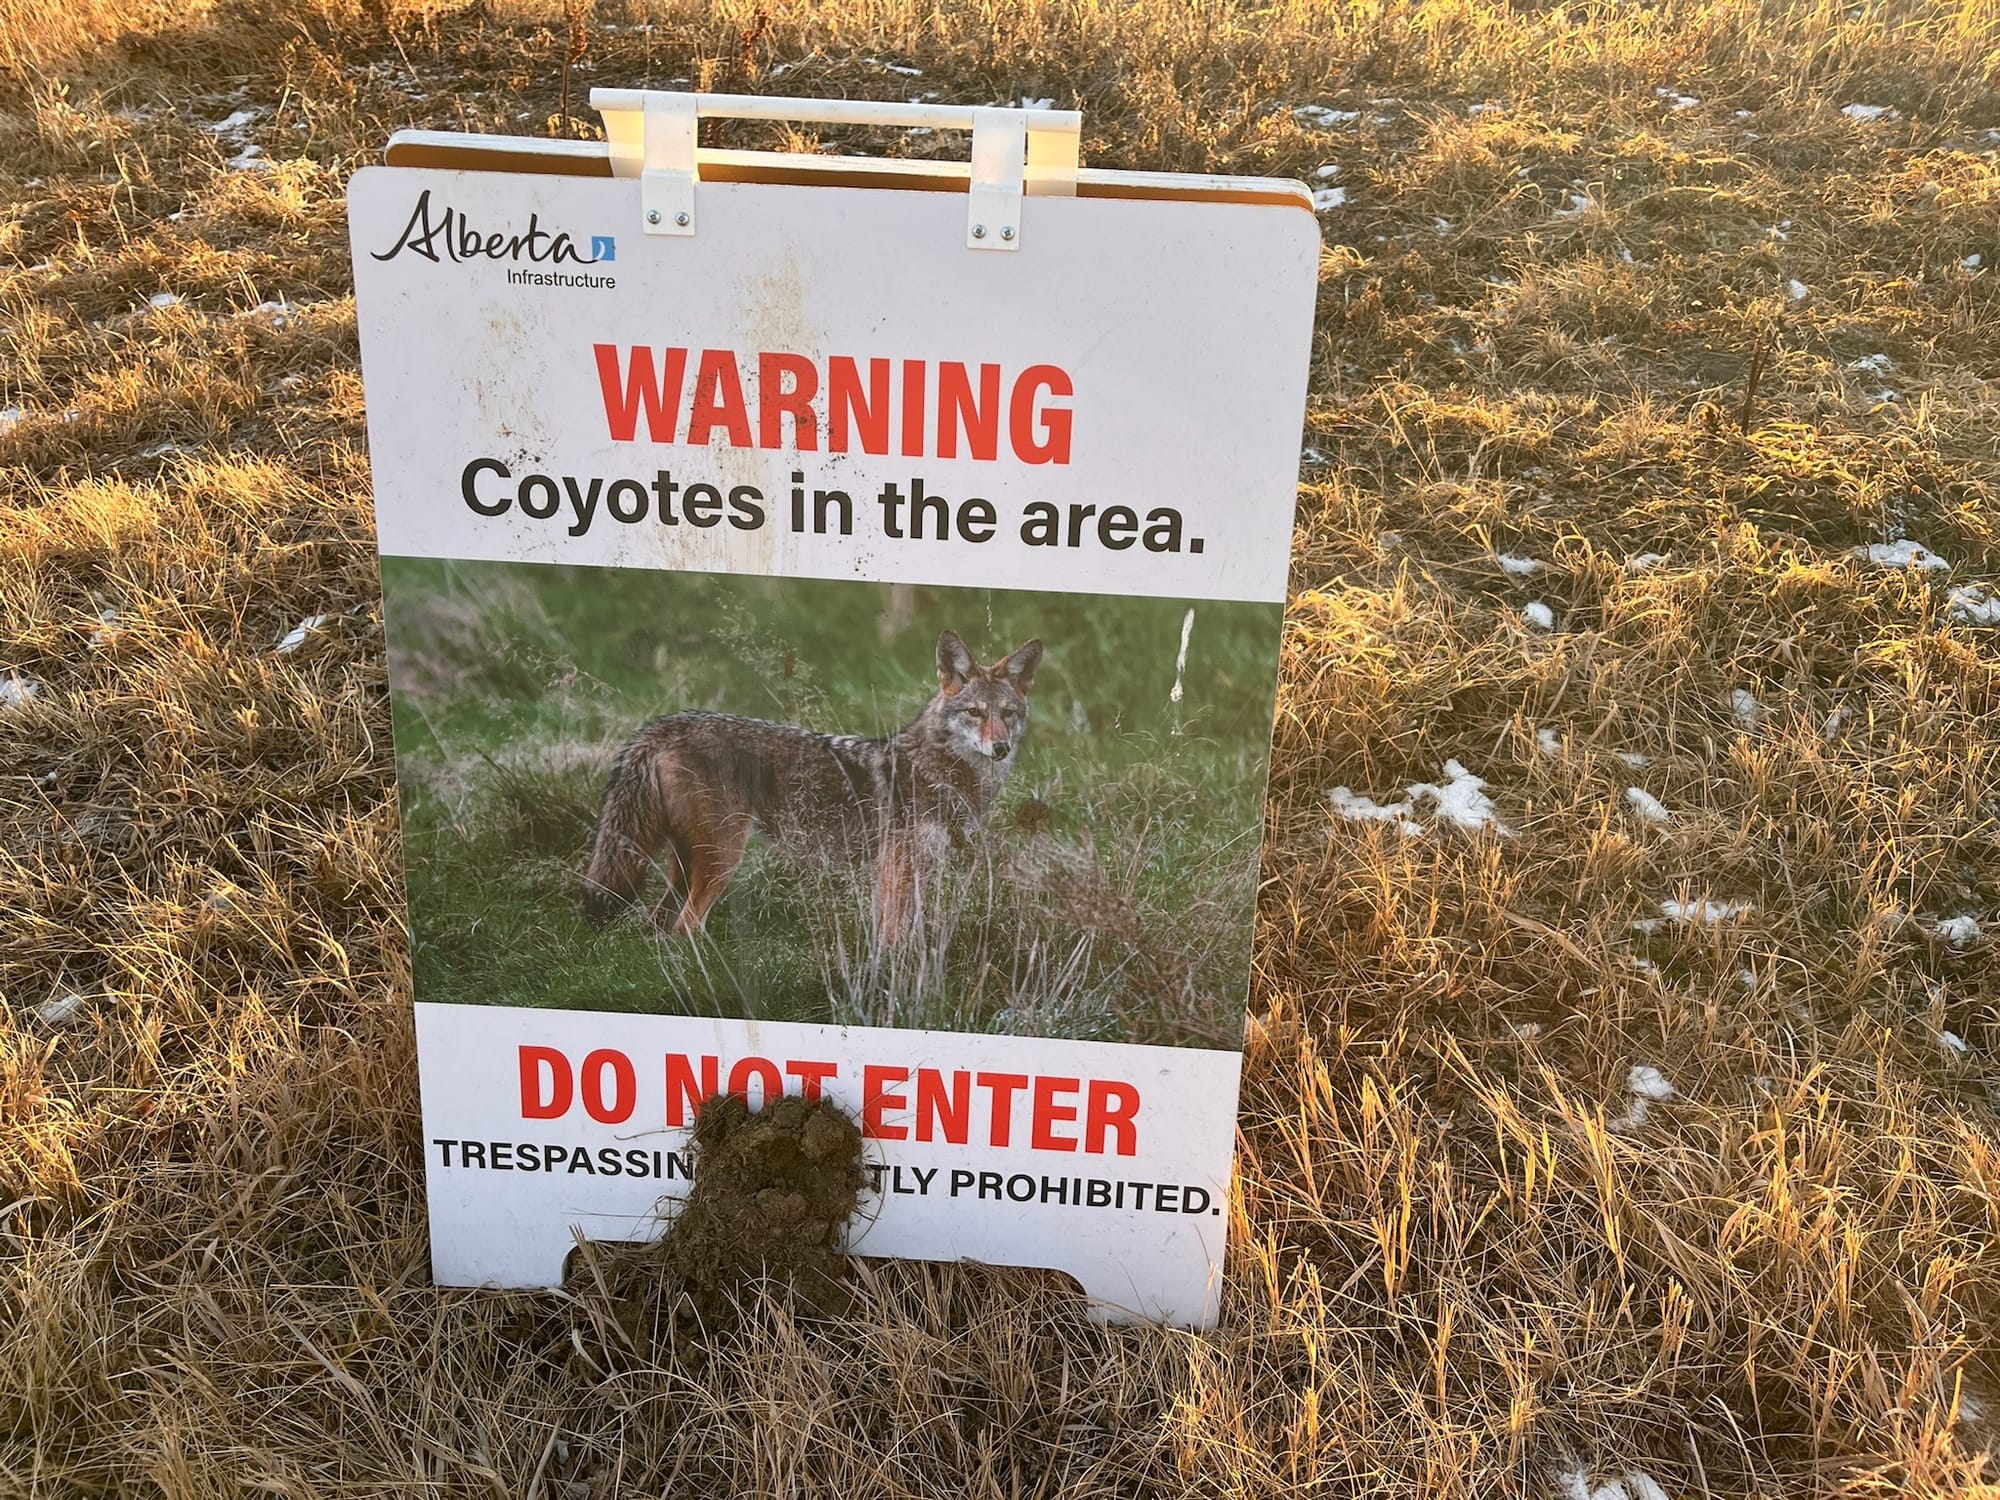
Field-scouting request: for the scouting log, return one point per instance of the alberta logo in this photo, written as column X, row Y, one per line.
column 444, row 233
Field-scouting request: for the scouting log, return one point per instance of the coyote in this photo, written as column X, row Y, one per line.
column 687, row 787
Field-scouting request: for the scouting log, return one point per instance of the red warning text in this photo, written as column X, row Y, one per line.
column 803, row 403
column 944, row 1106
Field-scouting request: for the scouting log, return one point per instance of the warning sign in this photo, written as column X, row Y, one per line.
column 833, row 608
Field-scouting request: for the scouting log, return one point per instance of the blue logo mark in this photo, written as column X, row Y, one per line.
column 603, row 247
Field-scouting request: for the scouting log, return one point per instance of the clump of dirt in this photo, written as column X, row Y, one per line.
column 771, row 1193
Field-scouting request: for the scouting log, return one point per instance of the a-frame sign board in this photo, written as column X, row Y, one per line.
column 928, row 522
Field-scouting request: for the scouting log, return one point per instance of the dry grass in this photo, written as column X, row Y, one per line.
column 1464, row 1263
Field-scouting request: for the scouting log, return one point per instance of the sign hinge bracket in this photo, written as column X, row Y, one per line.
column 667, row 172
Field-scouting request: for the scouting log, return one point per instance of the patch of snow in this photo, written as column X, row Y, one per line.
column 249, row 159
column 1971, row 606
column 1904, row 554
column 1517, row 567
column 1476, row 110
column 1972, row 262
column 1951, row 1041
column 1443, row 226
column 1644, row 804
column 1674, row 100
column 1867, row 113
column 1708, row 913
column 296, row 637
column 1328, row 197
column 1633, row 758
column 901, row 69
column 1873, row 364
column 1647, row 1086
column 1461, row 798
column 1575, row 206
column 161, row 301
column 1649, row 1083
column 1388, row 539
column 105, row 631
column 1797, row 290
column 1830, row 726
column 11, row 416
column 1548, row 742
column 1644, row 562
column 1311, row 456
column 237, row 123
column 1356, row 808
column 1539, row 615
column 1958, row 931
column 1027, row 103
column 1743, row 703
column 16, row 690
column 1527, row 1031
column 1321, row 118
column 280, row 312
column 1326, row 171
column 60, row 1008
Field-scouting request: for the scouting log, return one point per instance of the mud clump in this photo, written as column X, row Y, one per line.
column 771, row 1193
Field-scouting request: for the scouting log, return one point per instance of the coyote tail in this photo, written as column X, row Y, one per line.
column 632, row 824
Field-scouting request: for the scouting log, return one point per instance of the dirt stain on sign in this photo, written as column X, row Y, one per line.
column 772, row 1193
column 772, row 299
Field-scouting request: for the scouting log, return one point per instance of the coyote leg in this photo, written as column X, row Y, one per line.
column 710, row 868
column 674, row 872
column 895, row 888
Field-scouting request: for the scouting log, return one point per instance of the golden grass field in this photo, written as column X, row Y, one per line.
column 1468, row 1259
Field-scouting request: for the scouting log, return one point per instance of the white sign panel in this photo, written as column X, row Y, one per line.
column 996, row 1148
column 829, row 659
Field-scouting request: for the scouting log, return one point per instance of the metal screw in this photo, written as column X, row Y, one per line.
column 1007, row 233
column 652, row 216
column 681, row 219
column 979, row 231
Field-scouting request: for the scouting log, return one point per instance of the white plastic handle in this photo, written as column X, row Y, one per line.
column 840, row 111
column 637, row 123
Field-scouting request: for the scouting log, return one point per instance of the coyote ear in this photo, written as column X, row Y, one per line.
column 1018, row 667
column 955, row 663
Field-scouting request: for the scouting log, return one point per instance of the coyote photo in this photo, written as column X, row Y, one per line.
column 687, row 788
